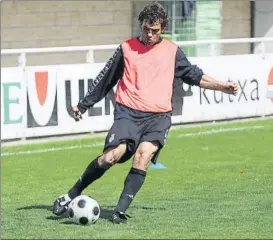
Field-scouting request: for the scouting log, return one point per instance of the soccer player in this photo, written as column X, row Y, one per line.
column 146, row 69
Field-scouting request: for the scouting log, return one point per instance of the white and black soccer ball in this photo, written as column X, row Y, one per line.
column 84, row 210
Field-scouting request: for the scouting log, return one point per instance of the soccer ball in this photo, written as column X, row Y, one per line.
column 84, row 210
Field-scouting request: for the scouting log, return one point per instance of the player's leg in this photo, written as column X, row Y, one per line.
column 94, row 171
column 115, row 149
column 97, row 168
column 152, row 140
column 134, row 179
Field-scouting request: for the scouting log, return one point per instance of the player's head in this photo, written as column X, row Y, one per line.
column 153, row 20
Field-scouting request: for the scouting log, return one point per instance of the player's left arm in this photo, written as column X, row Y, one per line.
column 193, row 75
column 228, row 87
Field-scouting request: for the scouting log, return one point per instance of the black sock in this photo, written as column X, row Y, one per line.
column 91, row 173
column 132, row 184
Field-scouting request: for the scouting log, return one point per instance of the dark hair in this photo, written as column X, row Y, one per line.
column 152, row 13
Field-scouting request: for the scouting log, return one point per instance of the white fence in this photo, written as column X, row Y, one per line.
column 22, row 58
column 36, row 100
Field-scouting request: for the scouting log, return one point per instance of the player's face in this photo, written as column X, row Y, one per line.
column 150, row 32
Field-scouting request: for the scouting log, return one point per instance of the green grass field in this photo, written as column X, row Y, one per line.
column 216, row 185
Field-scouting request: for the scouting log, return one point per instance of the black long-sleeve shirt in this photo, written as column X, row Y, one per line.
column 113, row 71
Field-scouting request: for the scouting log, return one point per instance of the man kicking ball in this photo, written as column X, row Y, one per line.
column 146, row 69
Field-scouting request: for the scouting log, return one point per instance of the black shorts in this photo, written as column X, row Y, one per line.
column 123, row 130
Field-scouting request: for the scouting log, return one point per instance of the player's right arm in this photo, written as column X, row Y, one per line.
column 102, row 84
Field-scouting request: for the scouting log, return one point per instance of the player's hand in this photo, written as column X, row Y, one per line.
column 230, row 87
column 77, row 115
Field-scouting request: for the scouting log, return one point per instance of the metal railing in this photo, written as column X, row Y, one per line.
column 22, row 53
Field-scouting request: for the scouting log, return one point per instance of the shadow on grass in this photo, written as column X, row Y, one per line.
column 46, row 207
column 106, row 211
column 104, row 214
column 137, row 207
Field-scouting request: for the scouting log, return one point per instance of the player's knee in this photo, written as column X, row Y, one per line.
column 111, row 156
column 142, row 159
column 144, row 155
column 104, row 162
column 107, row 160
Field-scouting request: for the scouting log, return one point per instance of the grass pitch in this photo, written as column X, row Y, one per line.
column 218, row 184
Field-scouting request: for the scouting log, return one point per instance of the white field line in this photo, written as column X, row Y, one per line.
column 100, row 144
column 54, row 149
column 219, row 130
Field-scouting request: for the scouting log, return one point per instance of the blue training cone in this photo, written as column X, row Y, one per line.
column 158, row 166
